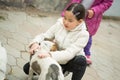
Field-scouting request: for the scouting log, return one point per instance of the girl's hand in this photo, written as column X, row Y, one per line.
column 90, row 13
column 34, row 47
column 44, row 55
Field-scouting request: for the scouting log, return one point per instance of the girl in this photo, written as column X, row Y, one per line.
column 71, row 35
column 94, row 10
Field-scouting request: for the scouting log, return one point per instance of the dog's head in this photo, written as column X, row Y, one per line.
column 48, row 45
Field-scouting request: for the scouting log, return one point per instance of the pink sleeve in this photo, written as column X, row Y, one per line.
column 102, row 7
column 75, row 1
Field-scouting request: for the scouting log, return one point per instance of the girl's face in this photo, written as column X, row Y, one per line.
column 69, row 21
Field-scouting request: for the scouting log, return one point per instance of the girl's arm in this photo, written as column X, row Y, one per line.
column 102, row 7
column 49, row 34
column 71, row 51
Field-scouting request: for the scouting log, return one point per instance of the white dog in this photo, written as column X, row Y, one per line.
column 3, row 62
column 46, row 68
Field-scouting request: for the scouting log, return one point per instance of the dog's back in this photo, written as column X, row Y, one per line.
column 3, row 62
column 47, row 68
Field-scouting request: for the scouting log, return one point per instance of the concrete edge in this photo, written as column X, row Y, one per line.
column 112, row 17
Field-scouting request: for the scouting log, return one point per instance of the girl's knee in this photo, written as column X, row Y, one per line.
column 80, row 60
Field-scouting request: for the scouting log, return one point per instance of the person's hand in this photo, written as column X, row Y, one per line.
column 44, row 55
column 90, row 13
column 34, row 47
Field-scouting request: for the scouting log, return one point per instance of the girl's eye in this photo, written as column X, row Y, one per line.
column 70, row 20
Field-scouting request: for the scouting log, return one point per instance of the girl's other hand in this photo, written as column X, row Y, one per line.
column 90, row 13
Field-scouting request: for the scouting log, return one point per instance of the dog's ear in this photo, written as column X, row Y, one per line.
column 54, row 47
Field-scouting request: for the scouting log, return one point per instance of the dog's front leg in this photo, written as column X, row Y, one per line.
column 30, row 76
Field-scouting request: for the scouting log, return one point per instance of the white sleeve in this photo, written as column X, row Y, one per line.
column 64, row 56
column 49, row 34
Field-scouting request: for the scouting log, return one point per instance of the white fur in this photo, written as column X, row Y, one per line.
column 3, row 62
column 44, row 62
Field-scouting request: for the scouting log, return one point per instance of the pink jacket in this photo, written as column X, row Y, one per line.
column 99, row 7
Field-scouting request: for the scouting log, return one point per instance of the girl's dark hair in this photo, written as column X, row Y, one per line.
column 77, row 9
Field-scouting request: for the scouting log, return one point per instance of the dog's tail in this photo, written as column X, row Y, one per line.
column 54, row 73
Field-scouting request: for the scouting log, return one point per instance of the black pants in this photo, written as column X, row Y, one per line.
column 77, row 66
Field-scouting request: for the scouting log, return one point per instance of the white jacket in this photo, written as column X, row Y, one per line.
column 70, row 43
